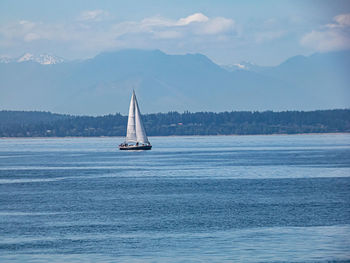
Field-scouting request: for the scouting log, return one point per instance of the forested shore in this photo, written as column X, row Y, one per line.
column 46, row 124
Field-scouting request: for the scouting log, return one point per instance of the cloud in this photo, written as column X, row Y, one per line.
column 168, row 34
column 341, row 21
column 331, row 37
column 28, row 31
column 195, row 24
column 93, row 15
column 266, row 36
column 153, row 22
column 197, row 17
column 217, row 25
column 31, row 37
column 86, row 37
column 329, row 40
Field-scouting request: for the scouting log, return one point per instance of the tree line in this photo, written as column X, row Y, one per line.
column 46, row 124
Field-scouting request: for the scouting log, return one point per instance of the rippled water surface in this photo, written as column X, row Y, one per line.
column 189, row 199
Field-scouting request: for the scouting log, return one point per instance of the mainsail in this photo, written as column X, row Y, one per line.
column 135, row 131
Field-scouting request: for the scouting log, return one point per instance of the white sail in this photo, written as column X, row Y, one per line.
column 131, row 130
column 140, row 130
column 135, row 131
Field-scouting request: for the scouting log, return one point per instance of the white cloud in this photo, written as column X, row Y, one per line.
column 329, row 40
column 26, row 24
column 156, row 21
column 266, row 36
column 335, row 36
column 168, row 34
column 217, row 25
column 31, row 37
column 29, row 31
column 93, row 15
column 197, row 24
column 197, row 17
column 85, row 37
column 190, row 28
column 343, row 20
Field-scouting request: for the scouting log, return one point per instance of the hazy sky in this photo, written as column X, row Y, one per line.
column 263, row 32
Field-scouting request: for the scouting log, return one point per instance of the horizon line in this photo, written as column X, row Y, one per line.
column 184, row 112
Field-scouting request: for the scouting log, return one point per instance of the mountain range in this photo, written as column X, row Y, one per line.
column 163, row 82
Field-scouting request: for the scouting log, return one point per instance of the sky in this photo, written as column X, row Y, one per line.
column 228, row 32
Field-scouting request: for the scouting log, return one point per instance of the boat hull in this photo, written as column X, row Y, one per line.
column 134, row 147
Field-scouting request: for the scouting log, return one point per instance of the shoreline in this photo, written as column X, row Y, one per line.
column 274, row 134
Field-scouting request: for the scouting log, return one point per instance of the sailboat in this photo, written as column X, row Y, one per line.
column 136, row 138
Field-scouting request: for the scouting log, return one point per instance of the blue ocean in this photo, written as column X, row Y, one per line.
column 283, row 198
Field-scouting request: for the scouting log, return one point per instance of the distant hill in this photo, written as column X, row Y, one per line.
column 45, row 124
column 8, row 118
column 103, row 84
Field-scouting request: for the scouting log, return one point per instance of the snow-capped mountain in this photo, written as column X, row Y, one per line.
column 5, row 59
column 25, row 57
column 242, row 66
column 44, row 59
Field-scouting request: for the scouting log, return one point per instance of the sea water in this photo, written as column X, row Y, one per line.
column 190, row 199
